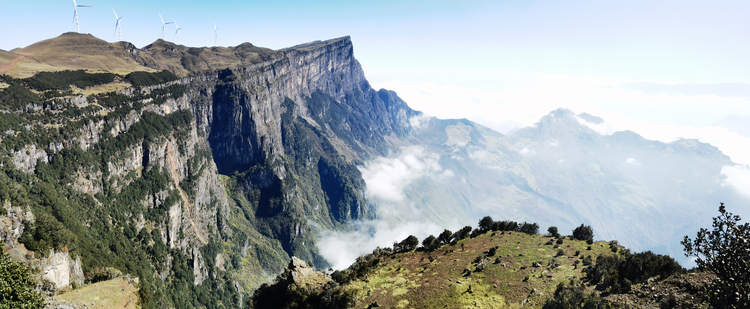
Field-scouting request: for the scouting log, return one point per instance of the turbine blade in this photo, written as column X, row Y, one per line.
column 113, row 11
column 84, row 6
column 162, row 19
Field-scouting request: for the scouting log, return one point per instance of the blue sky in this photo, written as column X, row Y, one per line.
column 664, row 69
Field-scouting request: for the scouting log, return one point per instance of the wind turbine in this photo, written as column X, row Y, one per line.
column 117, row 25
column 75, row 13
column 164, row 27
column 216, row 36
column 178, row 31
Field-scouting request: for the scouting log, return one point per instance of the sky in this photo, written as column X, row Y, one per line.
column 663, row 69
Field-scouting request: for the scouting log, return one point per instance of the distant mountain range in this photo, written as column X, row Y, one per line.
column 646, row 194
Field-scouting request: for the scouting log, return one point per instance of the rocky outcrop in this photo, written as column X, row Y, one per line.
column 11, row 224
column 59, row 269
column 25, row 159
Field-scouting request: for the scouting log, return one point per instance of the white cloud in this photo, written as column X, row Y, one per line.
column 631, row 161
column 341, row 249
column 387, row 177
column 738, row 176
column 418, row 121
column 601, row 128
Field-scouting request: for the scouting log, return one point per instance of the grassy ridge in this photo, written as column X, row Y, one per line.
column 523, row 271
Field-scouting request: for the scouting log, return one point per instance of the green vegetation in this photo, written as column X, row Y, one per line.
column 142, row 79
column 584, row 232
column 617, row 273
column 724, row 251
column 62, row 80
column 16, row 285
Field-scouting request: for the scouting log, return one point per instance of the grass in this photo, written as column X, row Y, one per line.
column 115, row 293
column 510, row 280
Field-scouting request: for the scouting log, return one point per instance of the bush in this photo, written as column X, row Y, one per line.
column 16, row 285
column 552, row 230
column 445, row 237
column 430, row 243
column 529, row 228
column 486, row 224
column 462, row 233
column 726, row 252
column 573, row 296
column 408, row 244
column 617, row 274
column 584, row 232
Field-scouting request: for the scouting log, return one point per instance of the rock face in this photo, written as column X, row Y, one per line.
column 25, row 159
column 61, row 270
column 222, row 173
column 300, row 274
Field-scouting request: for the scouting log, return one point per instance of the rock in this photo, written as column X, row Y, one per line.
column 536, row 264
column 26, row 158
column 299, row 271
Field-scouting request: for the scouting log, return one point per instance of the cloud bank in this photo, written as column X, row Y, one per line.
column 386, row 179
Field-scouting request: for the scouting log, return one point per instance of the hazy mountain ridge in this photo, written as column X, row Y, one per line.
column 647, row 194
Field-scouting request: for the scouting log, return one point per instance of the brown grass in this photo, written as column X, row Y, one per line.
column 115, row 293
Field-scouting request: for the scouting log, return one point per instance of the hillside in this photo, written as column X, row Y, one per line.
column 492, row 269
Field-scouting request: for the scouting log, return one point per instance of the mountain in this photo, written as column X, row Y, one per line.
column 561, row 172
column 201, row 171
column 202, row 186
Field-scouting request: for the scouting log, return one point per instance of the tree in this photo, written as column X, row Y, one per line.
column 529, row 228
column 430, row 243
column 16, row 285
column 462, row 233
column 583, row 232
column 445, row 237
column 408, row 244
column 552, row 230
column 486, row 224
column 724, row 251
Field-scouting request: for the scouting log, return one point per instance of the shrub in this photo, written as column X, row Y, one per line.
column 445, row 237
column 486, row 224
column 529, row 228
column 408, row 244
column 430, row 243
column 584, row 232
column 552, row 230
column 462, row 233
column 726, row 252
column 492, row 251
column 16, row 285
column 573, row 295
column 618, row 273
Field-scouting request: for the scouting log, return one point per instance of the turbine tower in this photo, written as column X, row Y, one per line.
column 75, row 13
column 216, row 36
column 117, row 25
column 178, row 31
column 164, row 27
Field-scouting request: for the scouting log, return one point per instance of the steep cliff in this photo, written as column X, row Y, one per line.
column 203, row 186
